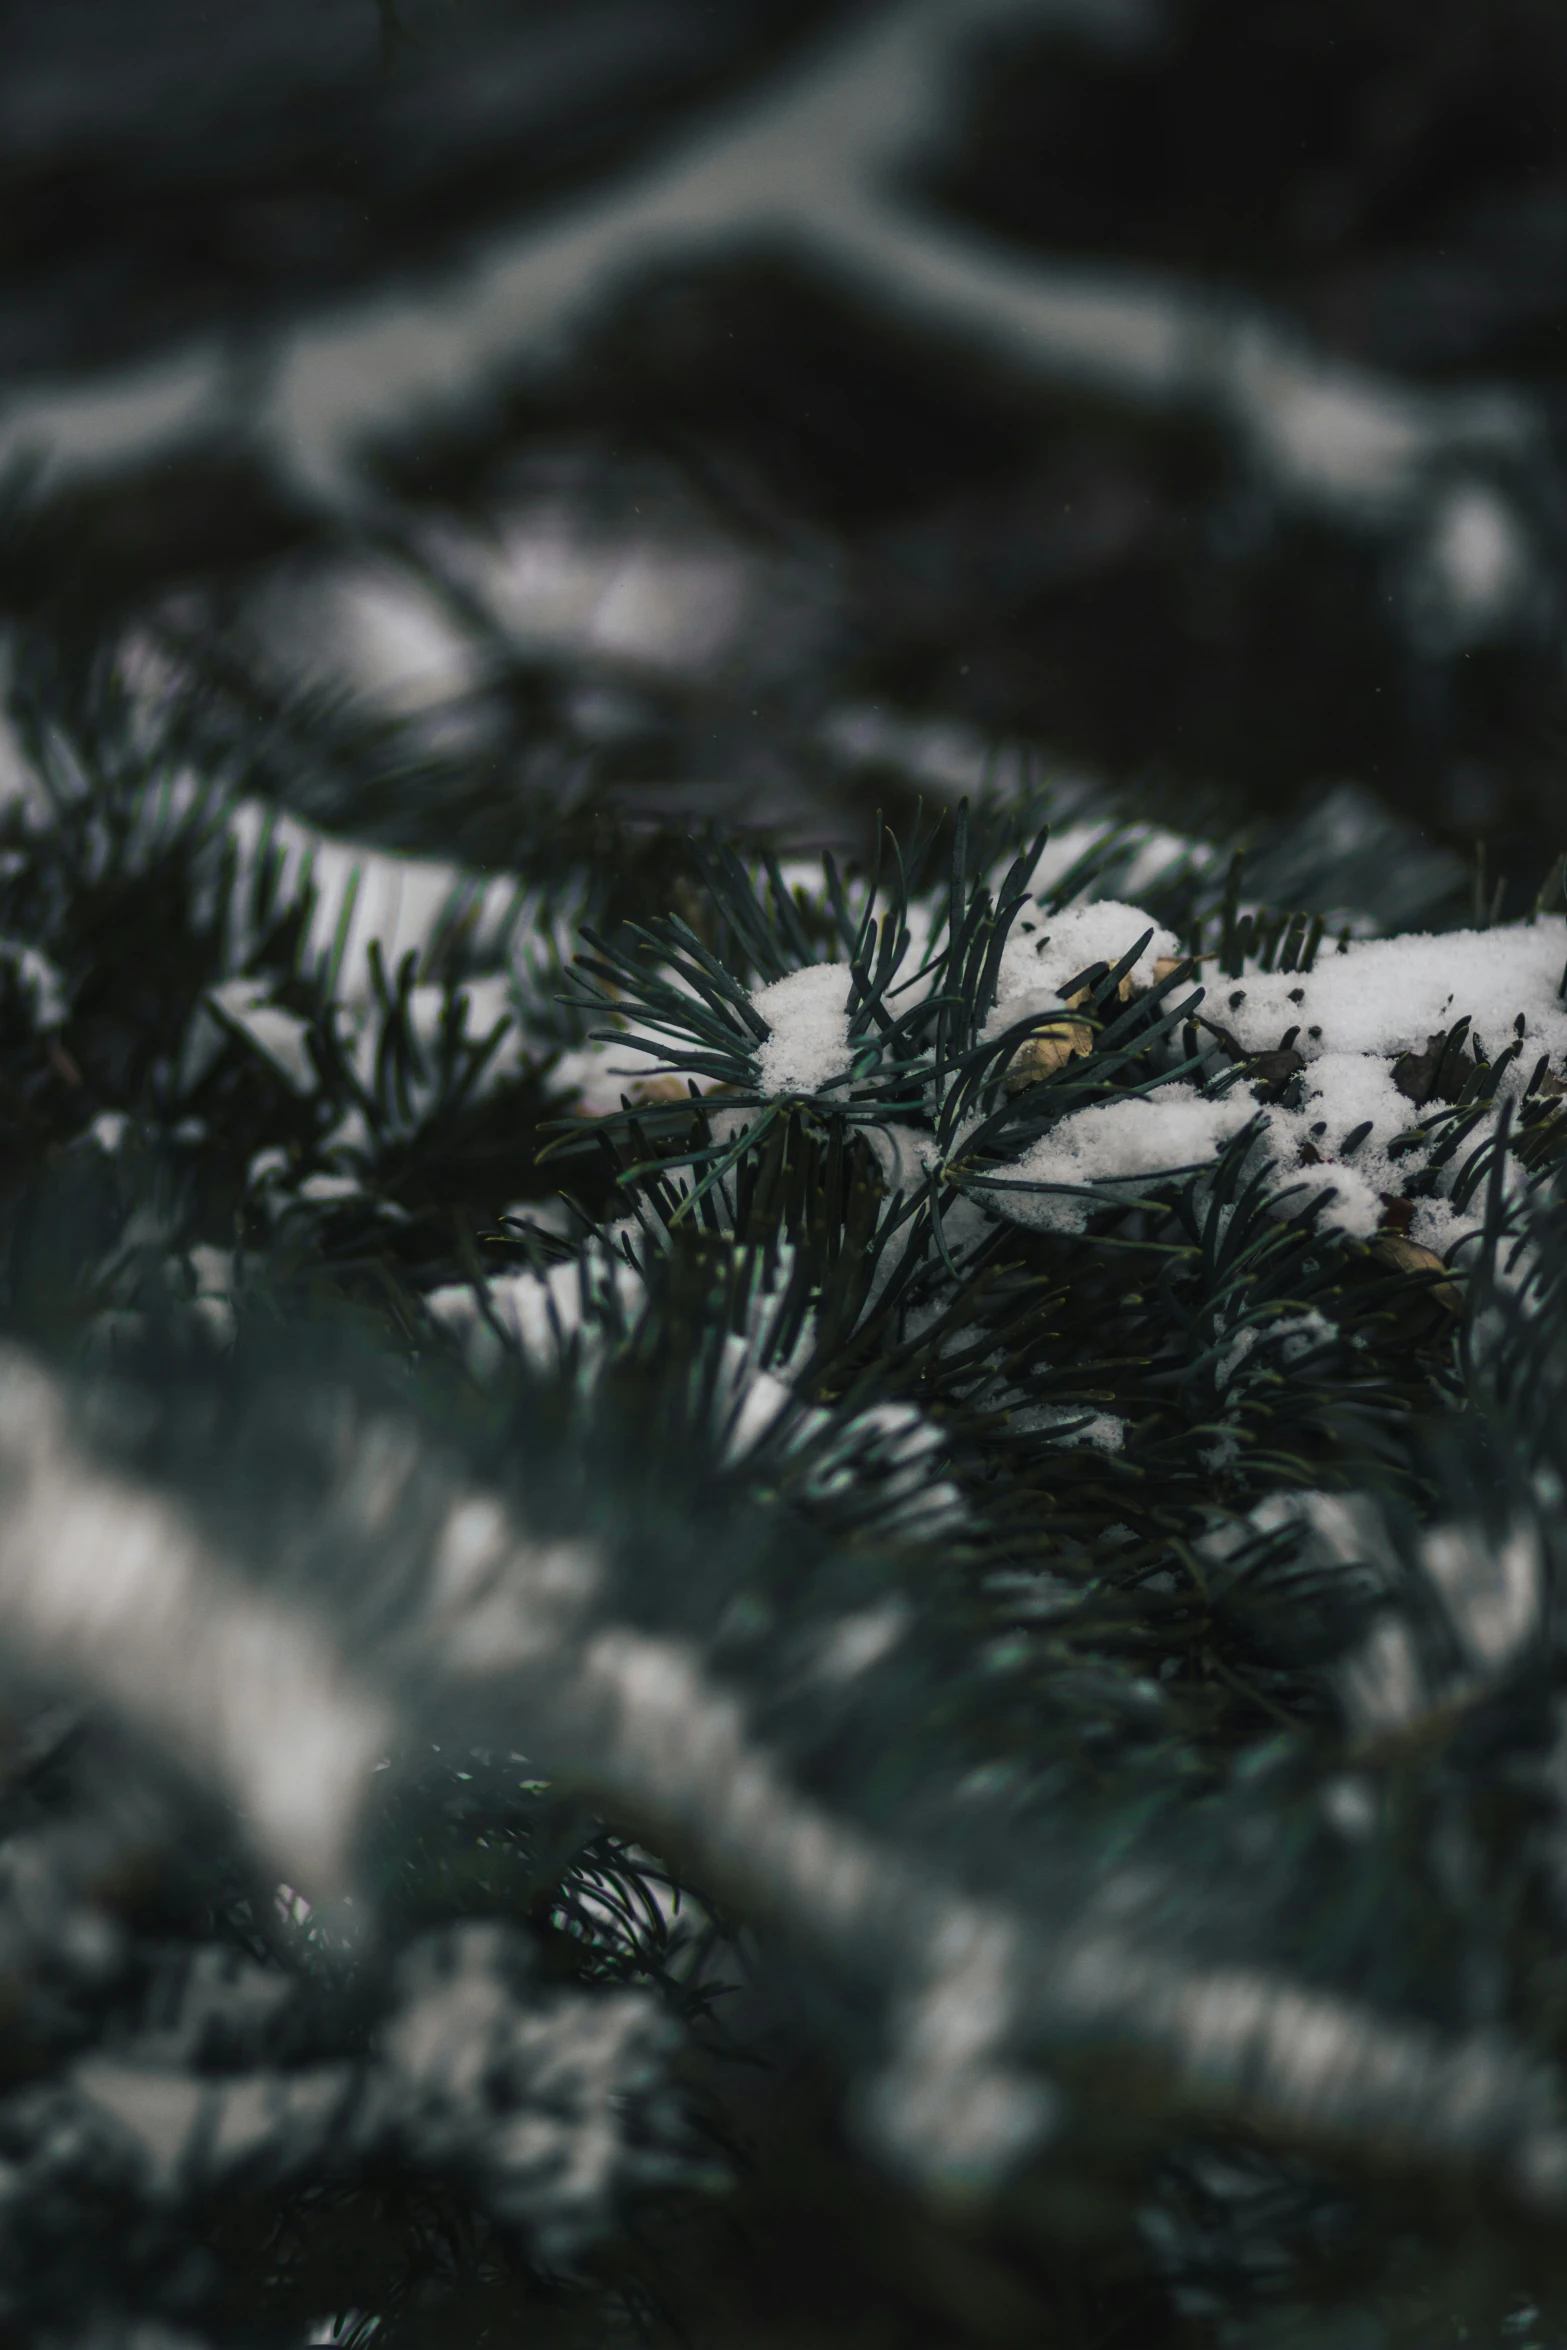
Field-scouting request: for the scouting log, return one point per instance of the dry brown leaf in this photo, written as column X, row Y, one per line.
column 1408, row 1256
column 1047, row 1050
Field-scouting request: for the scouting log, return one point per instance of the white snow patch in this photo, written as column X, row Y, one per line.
column 541, row 1312
column 1387, row 995
column 279, row 1036
column 1437, row 1224
column 21, row 787
column 915, row 975
column 808, row 1013
column 1473, row 571
column 365, row 894
column 1158, row 855
column 595, row 1078
column 1353, row 1016
column 855, row 1643
column 213, row 1280
column 947, row 757
column 902, row 1153
column 39, row 978
column 1045, row 951
column 1118, row 1142
column 1355, row 1205
column 762, row 1399
column 1342, row 1093
column 1066, row 849
column 651, row 597
column 1105, row 1431
column 330, row 1187
column 1287, row 1339
column 1134, row 856
column 266, row 1168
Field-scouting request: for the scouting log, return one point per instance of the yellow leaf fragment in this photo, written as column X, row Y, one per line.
column 1047, row 1050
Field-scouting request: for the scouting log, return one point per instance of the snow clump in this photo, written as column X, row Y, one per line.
column 1386, row 995
column 1362, row 1031
column 1143, row 1136
column 1045, row 952
column 808, row 1013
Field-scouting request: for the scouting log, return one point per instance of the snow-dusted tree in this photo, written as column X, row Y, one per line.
column 750, row 1596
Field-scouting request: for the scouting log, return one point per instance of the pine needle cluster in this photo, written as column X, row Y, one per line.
column 686, row 1657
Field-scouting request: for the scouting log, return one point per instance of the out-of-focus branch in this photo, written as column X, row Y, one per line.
column 551, row 2102
column 110, row 1592
column 817, row 165
column 105, row 1587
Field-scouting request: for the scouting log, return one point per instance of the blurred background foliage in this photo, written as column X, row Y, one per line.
column 742, row 504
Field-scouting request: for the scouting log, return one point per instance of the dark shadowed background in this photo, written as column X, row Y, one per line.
column 764, row 410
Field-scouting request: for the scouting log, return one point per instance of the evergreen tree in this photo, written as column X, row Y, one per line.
column 752, row 1597
column 745, row 1600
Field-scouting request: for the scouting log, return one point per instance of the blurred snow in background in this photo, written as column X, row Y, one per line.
column 1173, row 386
